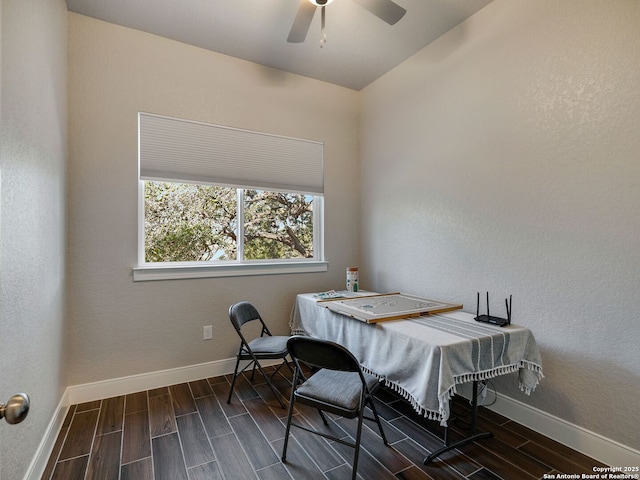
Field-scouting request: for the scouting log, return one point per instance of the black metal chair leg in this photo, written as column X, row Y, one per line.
column 271, row 386
column 324, row 419
column 377, row 418
column 279, row 367
column 354, row 467
column 233, row 381
column 289, row 415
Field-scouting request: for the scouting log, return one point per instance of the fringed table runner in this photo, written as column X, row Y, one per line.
column 425, row 358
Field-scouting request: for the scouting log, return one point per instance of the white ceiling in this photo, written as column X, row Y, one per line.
column 360, row 47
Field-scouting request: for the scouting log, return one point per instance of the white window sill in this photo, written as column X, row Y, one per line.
column 170, row 271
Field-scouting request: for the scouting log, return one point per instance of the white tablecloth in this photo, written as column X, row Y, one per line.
column 424, row 358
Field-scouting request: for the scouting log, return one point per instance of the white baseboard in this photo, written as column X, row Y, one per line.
column 40, row 459
column 584, row 441
column 89, row 392
column 589, row 443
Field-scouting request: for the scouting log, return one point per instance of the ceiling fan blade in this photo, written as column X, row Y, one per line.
column 302, row 22
column 385, row 10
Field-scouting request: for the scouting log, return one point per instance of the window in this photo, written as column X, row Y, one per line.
column 189, row 222
column 200, row 223
column 216, row 201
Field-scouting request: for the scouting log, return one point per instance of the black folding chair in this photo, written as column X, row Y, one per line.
column 264, row 347
column 339, row 387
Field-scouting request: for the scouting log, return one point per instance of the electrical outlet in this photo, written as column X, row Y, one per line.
column 207, row 332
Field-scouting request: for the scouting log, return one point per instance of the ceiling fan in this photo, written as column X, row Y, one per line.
column 386, row 10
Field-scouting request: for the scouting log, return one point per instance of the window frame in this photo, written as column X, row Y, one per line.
column 146, row 271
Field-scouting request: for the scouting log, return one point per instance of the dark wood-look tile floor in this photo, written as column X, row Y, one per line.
column 189, row 432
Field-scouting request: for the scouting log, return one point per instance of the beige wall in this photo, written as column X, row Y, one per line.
column 33, row 137
column 505, row 157
column 118, row 327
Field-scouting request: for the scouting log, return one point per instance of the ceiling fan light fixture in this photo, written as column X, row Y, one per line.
column 321, row 3
column 386, row 10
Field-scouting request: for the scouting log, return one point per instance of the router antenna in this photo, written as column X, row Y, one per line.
column 488, row 315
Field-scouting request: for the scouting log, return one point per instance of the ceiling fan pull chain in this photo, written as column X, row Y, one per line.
column 323, row 35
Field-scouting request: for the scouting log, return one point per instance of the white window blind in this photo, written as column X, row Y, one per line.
column 172, row 149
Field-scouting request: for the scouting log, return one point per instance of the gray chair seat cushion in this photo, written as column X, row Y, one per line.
column 338, row 388
column 269, row 344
